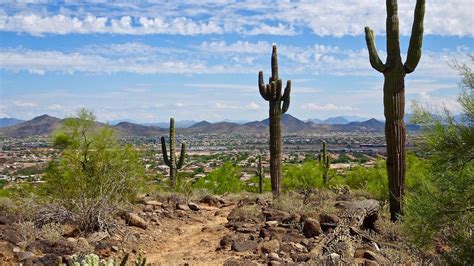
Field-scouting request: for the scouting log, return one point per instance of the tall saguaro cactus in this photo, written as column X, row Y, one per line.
column 325, row 160
column 279, row 104
column 171, row 160
column 394, row 71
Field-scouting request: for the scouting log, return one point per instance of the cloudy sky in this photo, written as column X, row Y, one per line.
column 199, row 59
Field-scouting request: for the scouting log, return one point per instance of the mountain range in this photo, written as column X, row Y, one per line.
column 6, row 122
column 45, row 125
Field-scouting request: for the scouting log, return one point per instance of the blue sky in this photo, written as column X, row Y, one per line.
column 195, row 60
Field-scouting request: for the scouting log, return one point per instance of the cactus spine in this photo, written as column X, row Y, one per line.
column 394, row 71
column 260, row 174
column 279, row 104
column 325, row 160
column 171, row 160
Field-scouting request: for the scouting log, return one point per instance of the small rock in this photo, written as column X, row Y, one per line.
column 137, row 221
column 328, row 218
column 271, row 246
column 115, row 248
column 193, row 206
column 182, row 207
column 311, row 228
column 298, row 247
column 225, row 242
column 154, row 203
column 271, row 223
column 274, row 263
column 273, row 256
column 276, row 215
column 22, row 255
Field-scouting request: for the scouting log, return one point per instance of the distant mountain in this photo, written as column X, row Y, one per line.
column 45, row 125
column 118, row 121
column 315, row 121
column 200, row 124
column 177, row 124
column 337, row 120
column 6, row 122
column 131, row 129
column 39, row 126
column 371, row 125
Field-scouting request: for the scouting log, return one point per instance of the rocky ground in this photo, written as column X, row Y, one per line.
column 222, row 231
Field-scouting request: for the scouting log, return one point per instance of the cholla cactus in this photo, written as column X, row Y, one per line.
column 394, row 71
column 171, row 160
column 279, row 104
column 325, row 160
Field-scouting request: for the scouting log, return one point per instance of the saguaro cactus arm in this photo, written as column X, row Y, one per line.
column 416, row 39
column 286, row 97
column 165, row 153
column 181, row 156
column 373, row 55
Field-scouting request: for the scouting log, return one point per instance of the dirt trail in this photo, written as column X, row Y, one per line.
column 191, row 241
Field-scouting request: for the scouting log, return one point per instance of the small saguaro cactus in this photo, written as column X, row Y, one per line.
column 325, row 160
column 279, row 104
column 171, row 160
column 394, row 71
column 260, row 173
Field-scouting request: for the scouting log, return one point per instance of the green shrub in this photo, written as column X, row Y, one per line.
column 221, row 180
column 251, row 185
column 373, row 179
column 94, row 175
column 442, row 209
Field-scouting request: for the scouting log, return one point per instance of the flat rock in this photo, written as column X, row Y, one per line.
column 135, row 220
column 273, row 256
column 241, row 246
column 23, row 255
column 182, row 207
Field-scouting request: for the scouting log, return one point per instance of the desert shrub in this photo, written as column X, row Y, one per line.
column 251, row 185
column 372, row 179
column 51, row 232
column 221, row 180
column 94, row 175
column 27, row 231
column 303, row 178
column 442, row 209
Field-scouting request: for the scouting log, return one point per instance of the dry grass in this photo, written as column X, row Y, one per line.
column 27, row 231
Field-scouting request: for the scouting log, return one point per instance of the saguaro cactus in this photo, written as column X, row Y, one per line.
column 279, row 104
column 325, row 160
column 171, row 160
column 260, row 174
column 394, row 71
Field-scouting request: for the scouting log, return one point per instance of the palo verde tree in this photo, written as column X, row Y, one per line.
column 394, row 71
column 279, row 104
column 170, row 160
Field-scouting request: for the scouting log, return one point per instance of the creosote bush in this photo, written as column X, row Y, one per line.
column 94, row 175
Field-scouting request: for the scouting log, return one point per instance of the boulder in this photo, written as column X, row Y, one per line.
column 135, row 220
column 273, row 256
column 276, row 215
column 311, row 228
column 270, row 246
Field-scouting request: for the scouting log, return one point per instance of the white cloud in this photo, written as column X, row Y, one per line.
column 252, row 106
column 322, row 17
column 24, row 104
column 55, row 107
column 326, row 107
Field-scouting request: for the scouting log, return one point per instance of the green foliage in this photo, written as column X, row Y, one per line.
column 373, row 179
column 303, row 178
column 342, row 158
column 93, row 174
column 442, row 209
column 251, row 185
column 221, row 180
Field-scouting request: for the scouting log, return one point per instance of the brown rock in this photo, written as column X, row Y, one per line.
column 182, row 207
column 276, row 215
column 193, row 206
column 135, row 220
column 271, row 246
column 311, row 228
column 241, row 246
column 225, row 242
